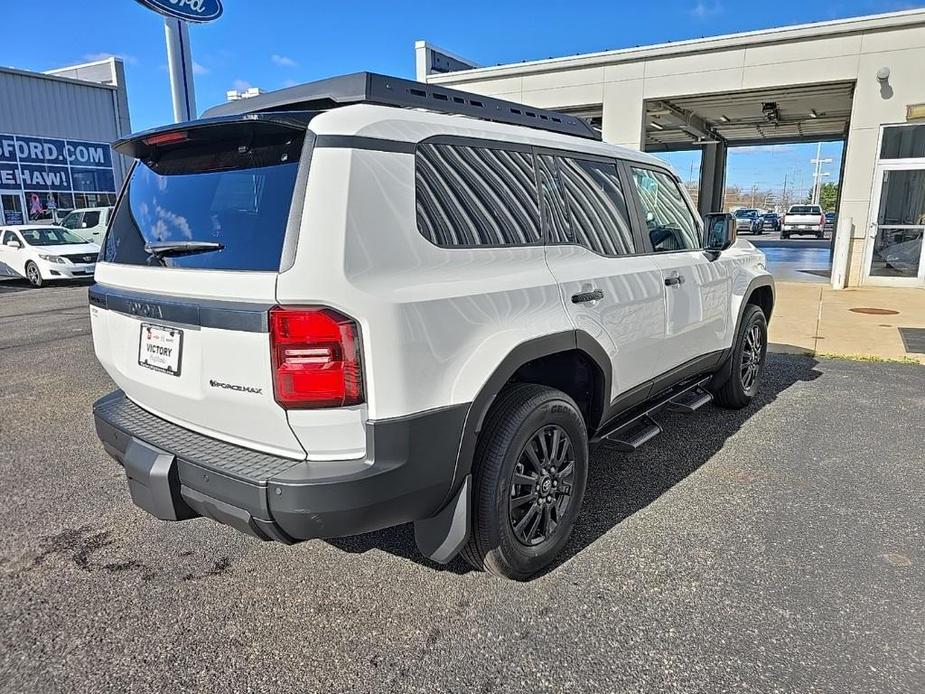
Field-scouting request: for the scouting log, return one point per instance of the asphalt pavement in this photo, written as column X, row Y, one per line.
column 797, row 259
column 779, row 548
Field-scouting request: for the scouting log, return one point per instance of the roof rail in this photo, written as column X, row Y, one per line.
column 373, row 88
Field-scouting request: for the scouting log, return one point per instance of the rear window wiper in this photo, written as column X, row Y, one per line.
column 171, row 249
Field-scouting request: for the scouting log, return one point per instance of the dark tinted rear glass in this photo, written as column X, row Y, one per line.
column 476, row 196
column 804, row 209
column 234, row 191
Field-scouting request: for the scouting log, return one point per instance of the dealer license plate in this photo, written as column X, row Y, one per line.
column 160, row 348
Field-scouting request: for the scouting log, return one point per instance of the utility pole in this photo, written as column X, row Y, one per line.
column 818, row 173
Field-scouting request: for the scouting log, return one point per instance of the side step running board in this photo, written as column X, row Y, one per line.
column 630, row 434
column 690, row 400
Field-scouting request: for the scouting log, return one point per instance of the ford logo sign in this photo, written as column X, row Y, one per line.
column 188, row 10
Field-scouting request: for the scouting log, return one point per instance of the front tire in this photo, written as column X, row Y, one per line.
column 746, row 361
column 33, row 275
column 530, row 472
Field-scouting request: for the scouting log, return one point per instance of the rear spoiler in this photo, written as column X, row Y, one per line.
column 143, row 145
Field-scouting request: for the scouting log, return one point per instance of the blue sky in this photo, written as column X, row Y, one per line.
column 273, row 43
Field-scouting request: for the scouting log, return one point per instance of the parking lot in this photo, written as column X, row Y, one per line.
column 778, row 548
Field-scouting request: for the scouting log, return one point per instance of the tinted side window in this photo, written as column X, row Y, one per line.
column 597, row 207
column 91, row 219
column 8, row 236
column 72, row 221
column 555, row 212
column 670, row 222
column 475, row 196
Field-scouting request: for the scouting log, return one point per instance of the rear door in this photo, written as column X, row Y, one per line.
column 610, row 292
column 188, row 274
column 696, row 287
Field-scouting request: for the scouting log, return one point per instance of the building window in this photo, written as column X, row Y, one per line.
column 903, row 142
column 476, row 196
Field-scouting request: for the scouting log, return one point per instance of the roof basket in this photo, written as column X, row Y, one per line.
column 372, row 88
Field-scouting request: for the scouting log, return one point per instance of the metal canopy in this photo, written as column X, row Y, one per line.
column 809, row 113
column 372, row 88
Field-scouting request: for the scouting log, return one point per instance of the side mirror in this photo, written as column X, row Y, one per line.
column 720, row 231
column 14, row 243
column 83, row 225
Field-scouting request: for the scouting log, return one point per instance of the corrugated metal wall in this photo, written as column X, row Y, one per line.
column 50, row 107
column 45, row 106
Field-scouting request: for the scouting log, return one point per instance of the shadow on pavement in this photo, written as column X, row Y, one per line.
column 620, row 484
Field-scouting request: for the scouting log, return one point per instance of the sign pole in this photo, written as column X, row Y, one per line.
column 180, row 66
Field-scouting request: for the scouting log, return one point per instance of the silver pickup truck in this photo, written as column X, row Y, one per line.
column 803, row 219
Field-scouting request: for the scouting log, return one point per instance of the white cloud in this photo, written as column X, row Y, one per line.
column 200, row 69
column 241, row 85
column 127, row 59
column 704, row 9
column 290, row 83
column 283, row 61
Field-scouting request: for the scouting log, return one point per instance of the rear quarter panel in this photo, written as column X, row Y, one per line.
column 435, row 322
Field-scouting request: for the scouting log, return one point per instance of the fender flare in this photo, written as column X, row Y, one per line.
column 722, row 375
column 523, row 353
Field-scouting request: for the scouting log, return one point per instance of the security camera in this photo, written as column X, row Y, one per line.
column 883, row 74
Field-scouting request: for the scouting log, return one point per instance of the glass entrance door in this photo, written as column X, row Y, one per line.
column 12, row 208
column 894, row 244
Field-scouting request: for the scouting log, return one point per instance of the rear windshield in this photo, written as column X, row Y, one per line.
column 746, row 213
column 230, row 194
column 805, row 209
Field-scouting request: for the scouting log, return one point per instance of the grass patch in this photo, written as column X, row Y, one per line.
column 873, row 358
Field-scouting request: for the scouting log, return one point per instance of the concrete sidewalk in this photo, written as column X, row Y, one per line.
column 816, row 319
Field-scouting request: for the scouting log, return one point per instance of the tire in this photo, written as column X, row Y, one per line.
column 518, row 541
column 820, row 235
column 33, row 275
column 785, row 236
column 749, row 352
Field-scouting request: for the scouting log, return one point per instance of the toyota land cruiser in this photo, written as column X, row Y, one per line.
column 366, row 301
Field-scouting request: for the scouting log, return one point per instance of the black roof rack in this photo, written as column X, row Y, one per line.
column 372, row 88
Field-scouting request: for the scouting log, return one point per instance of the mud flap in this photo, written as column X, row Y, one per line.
column 154, row 483
column 441, row 537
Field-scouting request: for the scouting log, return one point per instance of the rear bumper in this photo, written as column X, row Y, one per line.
column 175, row 473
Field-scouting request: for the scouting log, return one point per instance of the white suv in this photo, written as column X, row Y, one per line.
column 89, row 222
column 367, row 301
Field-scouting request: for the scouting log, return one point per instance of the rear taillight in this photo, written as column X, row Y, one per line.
column 822, row 220
column 316, row 358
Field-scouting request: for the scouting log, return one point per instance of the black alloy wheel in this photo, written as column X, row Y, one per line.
column 541, row 485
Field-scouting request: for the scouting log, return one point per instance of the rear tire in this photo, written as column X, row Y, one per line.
column 747, row 361
column 33, row 275
column 529, row 477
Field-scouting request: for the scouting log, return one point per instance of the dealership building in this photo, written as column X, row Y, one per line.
column 858, row 80
column 55, row 133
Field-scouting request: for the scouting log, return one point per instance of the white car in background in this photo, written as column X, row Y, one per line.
column 43, row 253
column 89, row 222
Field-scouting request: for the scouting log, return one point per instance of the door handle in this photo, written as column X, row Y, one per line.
column 584, row 297
column 674, row 280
